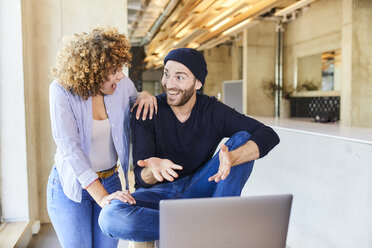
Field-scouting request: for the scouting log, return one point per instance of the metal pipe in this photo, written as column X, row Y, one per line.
column 171, row 5
column 278, row 68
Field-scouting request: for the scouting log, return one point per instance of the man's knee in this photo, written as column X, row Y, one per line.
column 238, row 139
column 244, row 135
column 112, row 221
column 105, row 219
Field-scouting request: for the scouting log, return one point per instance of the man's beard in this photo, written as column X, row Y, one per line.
column 185, row 95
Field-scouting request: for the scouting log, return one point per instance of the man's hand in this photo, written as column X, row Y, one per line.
column 147, row 102
column 225, row 165
column 160, row 169
column 247, row 152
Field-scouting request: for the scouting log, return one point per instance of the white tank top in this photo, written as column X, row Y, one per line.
column 102, row 153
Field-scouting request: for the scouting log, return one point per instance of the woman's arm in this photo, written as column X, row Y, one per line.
column 66, row 135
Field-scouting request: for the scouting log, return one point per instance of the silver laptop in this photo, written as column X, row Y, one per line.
column 228, row 222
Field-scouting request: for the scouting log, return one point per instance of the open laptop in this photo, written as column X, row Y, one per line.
column 228, row 222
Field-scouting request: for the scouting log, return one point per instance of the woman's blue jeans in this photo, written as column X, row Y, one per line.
column 76, row 224
column 140, row 222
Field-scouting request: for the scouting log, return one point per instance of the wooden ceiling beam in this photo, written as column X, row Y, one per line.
column 189, row 20
column 256, row 10
column 176, row 17
column 190, row 24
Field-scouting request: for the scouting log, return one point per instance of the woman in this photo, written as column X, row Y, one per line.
column 90, row 102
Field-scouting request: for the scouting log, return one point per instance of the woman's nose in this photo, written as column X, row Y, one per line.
column 120, row 75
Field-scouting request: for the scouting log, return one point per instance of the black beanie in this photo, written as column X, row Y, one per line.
column 190, row 58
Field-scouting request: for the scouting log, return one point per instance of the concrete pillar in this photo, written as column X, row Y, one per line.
column 236, row 59
column 219, row 69
column 259, row 63
column 356, row 94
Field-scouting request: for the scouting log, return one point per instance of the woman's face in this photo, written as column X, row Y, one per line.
column 108, row 87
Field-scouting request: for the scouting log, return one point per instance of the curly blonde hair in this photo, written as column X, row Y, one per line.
column 86, row 60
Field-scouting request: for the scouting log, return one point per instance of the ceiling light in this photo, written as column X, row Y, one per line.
column 238, row 9
column 182, row 33
column 192, row 36
column 245, row 9
column 237, row 26
column 228, row 3
column 193, row 45
column 221, row 24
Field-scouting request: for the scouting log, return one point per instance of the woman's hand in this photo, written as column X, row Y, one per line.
column 123, row 196
column 147, row 102
column 102, row 197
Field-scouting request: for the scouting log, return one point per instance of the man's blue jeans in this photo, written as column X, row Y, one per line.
column 140, row 222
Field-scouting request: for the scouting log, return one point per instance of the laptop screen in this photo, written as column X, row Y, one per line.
column 228, row 222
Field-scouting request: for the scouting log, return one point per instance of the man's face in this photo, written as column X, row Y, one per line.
column 179, row 83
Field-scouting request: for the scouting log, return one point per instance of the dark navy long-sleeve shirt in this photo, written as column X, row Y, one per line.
column 192, row 143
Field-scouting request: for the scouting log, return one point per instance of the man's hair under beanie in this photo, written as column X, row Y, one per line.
column 190, row 58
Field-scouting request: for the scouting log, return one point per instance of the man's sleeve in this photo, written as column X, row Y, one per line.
column 232, row 122
column 143, row 138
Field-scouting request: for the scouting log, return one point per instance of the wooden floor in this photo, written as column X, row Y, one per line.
column 47, row 238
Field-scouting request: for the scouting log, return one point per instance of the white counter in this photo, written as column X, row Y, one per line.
column 328, row 169
column 332, row 130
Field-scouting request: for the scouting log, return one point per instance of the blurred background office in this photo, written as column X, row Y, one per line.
column 303, row 67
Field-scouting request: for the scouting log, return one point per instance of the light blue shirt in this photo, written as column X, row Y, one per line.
column 72, row 121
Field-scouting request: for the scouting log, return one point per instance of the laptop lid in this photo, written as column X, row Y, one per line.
column 228, row 222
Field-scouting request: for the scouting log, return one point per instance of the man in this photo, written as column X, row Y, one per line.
column 172, row 153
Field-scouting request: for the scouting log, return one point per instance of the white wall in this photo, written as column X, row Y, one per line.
column 330, row 180
column 13, row 157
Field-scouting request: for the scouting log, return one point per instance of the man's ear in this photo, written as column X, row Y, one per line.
column 198, row 84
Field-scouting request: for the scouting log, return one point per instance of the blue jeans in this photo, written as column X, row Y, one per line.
column 140, row 222
column 76, row 224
